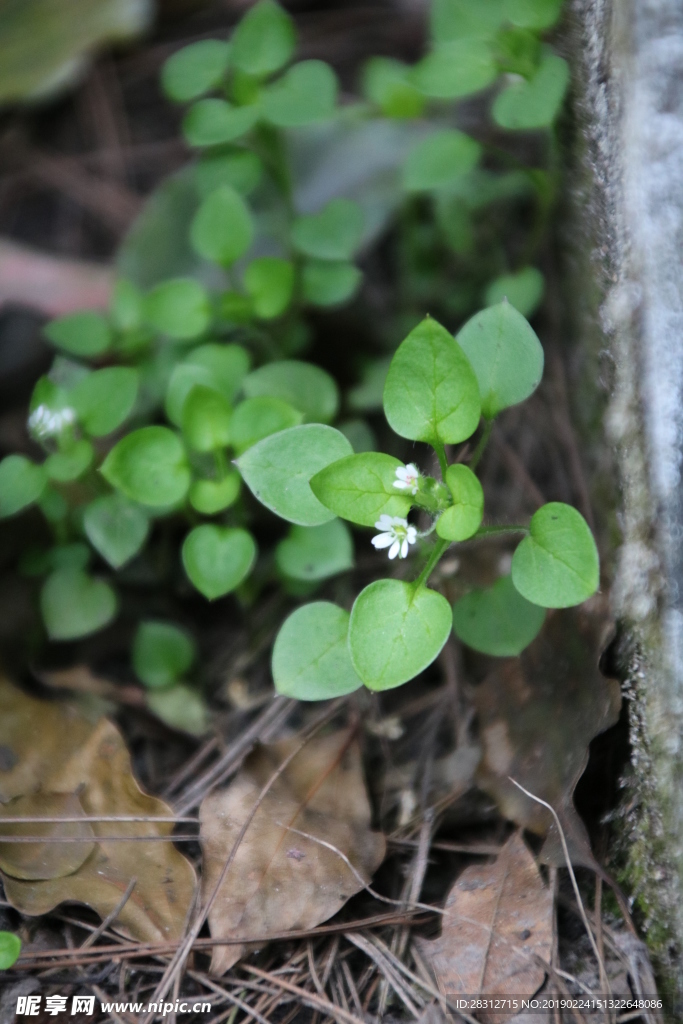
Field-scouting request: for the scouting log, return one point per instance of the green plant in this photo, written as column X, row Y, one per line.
column 437, row 390
column 153, row 414
column 10, row 948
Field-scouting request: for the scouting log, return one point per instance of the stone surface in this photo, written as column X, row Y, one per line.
column 627, row 198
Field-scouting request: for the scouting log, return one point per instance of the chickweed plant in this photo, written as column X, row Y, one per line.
column 192, row 384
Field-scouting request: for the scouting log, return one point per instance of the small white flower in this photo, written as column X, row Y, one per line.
column 45, row 422
column 396, row 535
column 407, row 478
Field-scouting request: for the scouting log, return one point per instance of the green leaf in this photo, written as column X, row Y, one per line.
column 388, row 84
column 218, row 558
column 264, row 39
column 149, row 465
column 206, row 419
column 367, row 396
column 557, row 565
column 10, row 948
column 270, row 283
column 308, row 388
column 431, row 393
column 53, row 505
column 305, row 94
column 462, row 520
column 179, row 308
column 70, row 463
column 523, row 290
column 82, row 334
column 456, row 69
column 536, row 14
column 195, row 70
column 116, row 528
column 329, row 284
column 257, row 418
column 162, row 653
column 180, row 707
column 222, row 229
column 21, row 483
column 505, row 355
column 74, row 604
column 211, row 496
column 396, row 631
column 333, row 234
column 536, row 103
column 239, row 168
column 213, row 121
column 126, row 305
column 311, row 658
column 360, row 488
column 104, row 399
column 315, row 552
column 277, row 470
column 497, row 620
column 439, row 160
column 227, row 365
column 451, row 20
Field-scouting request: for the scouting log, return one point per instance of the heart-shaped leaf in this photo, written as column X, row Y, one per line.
column 195, row 69
column 206, row 419
column 505, row 354
column 81, row 334
column 74, row 604
column 308, row 388
column 315, row 552
column 327, row 283
column 396, row 630
column 461, row 19
column 222, row 229
column 523, row 290
column 162, row 653
column 311, row 658
column 497, row 620
column 70, row 463
column 454, row 69
column 211, row 496
column 439, row 160
column 116, row 527
column 536, row 103
column 333, row 234
column 431, row 393
column 270, row 283
column 264, row 39
column 212, row 122
column 256, row 418
column 10, row 948
column 306, row 93
column 462, row 520
column 105, row 398
column 218, row 558
column 179, row 308
column 149, row 465
column 360, row 488
column 278, row 469
column 557, row 565
column 21, row 483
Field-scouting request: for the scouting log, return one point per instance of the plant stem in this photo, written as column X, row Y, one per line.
column 441, row 455
column 494, row 531
column 481, row 446
column 220, row 463
column 437, row 552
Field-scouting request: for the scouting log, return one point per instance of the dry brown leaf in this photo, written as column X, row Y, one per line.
column 498, row 922
column 33, row 861
column 537, row 715
column 46, row 749
column 279, row 879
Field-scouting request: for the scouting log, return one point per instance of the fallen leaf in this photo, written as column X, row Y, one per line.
column 537, row 715
column 280, row 879
column 32, row 861
column 49, row 753
column 498, row 922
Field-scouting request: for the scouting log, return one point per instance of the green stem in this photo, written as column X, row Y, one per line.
column 437, row 551
column 481, row 446
column 441, row 456
column 494, row 531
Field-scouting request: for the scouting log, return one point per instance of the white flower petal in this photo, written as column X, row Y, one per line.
column 394, row 549
column 384, row 522
column 399, row 521
column 411, row 535
column 404, row 549
column 412, row 469
column 383, row 540
column 402, row 485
